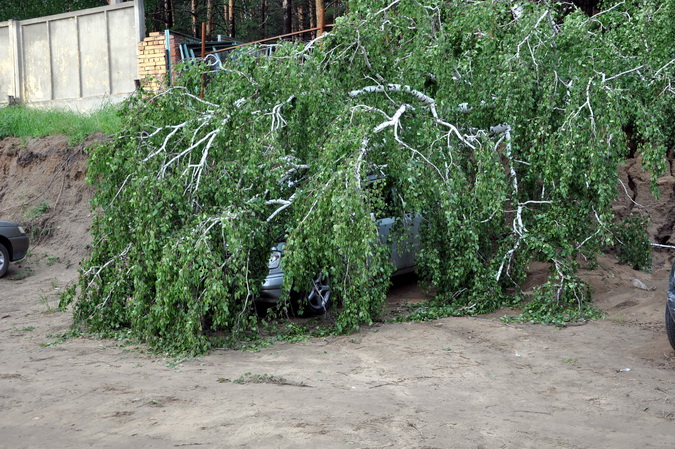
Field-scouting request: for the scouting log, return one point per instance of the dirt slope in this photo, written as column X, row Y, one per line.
column 42, row 186
column 451, row 383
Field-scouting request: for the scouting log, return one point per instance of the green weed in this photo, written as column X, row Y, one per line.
column 36, row 211
column 45, row 302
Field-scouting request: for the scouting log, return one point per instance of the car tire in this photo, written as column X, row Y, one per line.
column 670, row 327
column 315, row 301
column 4, row 260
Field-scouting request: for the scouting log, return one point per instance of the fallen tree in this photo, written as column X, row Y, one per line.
column 500, row 123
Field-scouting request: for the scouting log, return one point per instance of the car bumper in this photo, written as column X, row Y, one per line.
column 271, row 288
column 19, row 247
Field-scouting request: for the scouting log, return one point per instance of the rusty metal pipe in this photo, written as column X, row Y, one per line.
column 295, row 33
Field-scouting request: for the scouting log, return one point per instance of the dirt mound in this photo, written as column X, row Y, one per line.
column 636, row 197
column 42, row 186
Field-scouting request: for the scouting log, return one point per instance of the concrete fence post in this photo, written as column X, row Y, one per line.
column 140, row 20
column 16, row 54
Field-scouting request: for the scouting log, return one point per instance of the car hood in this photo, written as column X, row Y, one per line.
column 5, row 224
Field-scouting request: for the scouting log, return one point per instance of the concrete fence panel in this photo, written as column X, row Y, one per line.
column 37, row 70
column 65, row 63
column 80, row 60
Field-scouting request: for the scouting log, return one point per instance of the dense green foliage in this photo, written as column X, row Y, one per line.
column 19, row 121
column 634, row 246
column 500, row 125
column 28, row 9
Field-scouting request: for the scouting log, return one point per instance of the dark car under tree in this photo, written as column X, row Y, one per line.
column 13, row 244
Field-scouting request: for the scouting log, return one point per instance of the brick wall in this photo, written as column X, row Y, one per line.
column 152, row 64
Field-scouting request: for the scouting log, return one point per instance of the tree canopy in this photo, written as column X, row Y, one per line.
column 501, row 124
column 245, row 20
column 28, row 9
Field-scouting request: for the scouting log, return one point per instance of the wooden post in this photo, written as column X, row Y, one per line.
column 203, row 39
column 320, row 21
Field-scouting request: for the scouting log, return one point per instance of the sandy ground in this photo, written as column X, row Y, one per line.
column 450, row 383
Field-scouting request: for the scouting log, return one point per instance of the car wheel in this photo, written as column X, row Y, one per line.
column 670, row 327
column 4, row 260
column 317, row 300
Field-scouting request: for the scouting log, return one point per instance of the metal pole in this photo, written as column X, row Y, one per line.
column 295, row 33
column 167, row 56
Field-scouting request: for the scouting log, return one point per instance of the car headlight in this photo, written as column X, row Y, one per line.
column 21, row 230
column 275, row 259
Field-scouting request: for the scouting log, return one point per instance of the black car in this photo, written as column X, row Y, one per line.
column 670, row 308
column 13, row 244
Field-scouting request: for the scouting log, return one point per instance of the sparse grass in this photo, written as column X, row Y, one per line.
column 175, row 363
column 36, row 211
column 36, row 232
column 48, row 308
column 20, row 121
column 21, row 275
column 570, row 361
column 51, row 260
column 36, row 225
column 249, row 378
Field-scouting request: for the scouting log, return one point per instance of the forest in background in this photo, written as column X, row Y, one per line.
column 245, row 20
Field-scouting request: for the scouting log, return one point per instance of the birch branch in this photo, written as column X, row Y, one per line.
column 605, row 79
column 424, row 99
column 395, row 2
column 174, row 130
column 284, row 204
column 517, row 225
column 208, row 136
column 95, row 272
column 278, row 121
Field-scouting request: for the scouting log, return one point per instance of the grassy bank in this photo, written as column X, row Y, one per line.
column 19, row 121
